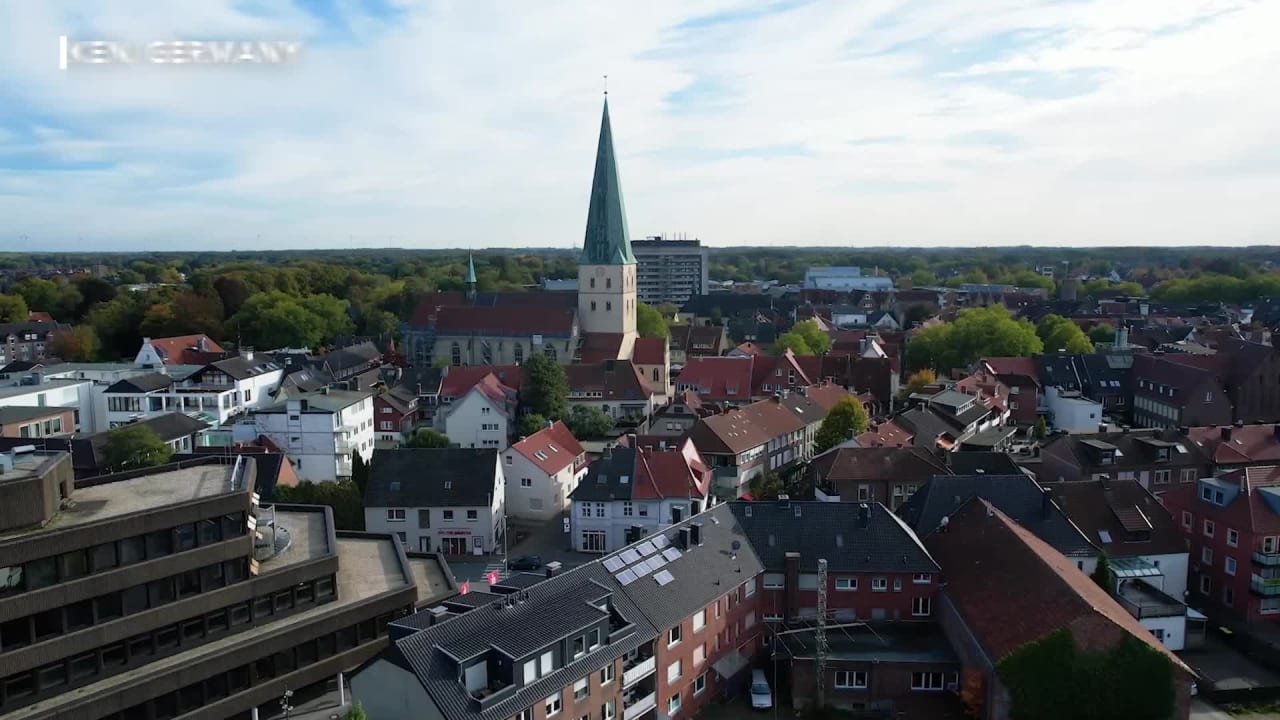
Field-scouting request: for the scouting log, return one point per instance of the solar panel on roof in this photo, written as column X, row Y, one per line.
column 629, row 556
column 613, row 564
column 660, row 541
column 646, row 548
column 655, row 562
column 671, row 554
column 641, row 568
column 663, row 577
column 626, row 577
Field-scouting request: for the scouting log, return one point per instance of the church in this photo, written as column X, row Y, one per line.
column 593, row 325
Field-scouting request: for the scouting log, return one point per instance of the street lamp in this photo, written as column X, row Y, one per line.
column 284, row 703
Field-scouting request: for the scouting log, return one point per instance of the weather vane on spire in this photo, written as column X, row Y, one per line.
column 606, row 84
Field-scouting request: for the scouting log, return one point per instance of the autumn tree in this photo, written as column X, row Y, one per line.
column 13, row 308
column 75, row 344
column 919, row 380
column 846, row 419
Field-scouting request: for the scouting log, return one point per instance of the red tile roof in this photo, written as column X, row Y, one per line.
column 650, row 351
column 37, row 316
column 750, row 348
column 506, row 320
column 600, row 346
column 680, row 472
column 613, row 379
column 909, row 464
column 424, row 314
column 886, row 434
column 459, row 380
column 1249, row 443
column 502, row 397
column 1020, row 366
column 175, row 350
column 718, row 378
column 744, row 428
column 1011, row 588
column 552, row 448
column 765, row 370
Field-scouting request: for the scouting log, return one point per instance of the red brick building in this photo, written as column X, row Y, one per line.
column 1232, row 526
column 1022, row 378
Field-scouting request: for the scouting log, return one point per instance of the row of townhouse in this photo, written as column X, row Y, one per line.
column 768, row 436
column 677, row 620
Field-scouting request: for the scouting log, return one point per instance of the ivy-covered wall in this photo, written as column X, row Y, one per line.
column 1050, row 679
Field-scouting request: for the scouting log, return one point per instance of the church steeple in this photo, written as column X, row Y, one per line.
column 607, row 241
column 471, row 277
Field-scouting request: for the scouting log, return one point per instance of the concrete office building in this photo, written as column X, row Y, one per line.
column 168, row 593
column 670, row 270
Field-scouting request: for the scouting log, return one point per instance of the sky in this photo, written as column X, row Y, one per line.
column 473, row 123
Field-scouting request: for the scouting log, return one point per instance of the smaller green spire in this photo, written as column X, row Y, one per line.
column 471, row 270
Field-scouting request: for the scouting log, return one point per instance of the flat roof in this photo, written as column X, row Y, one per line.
column 26, row 465
column 140, row 494
column 367, row 567
column 871, row 643
column 434, row 585
column 17, row 390
column 309, row 535
column 18, row 413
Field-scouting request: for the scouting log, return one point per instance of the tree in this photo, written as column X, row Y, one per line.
column 846, row 419
column 650, row 323
column 588, row 423
column 426, row 438
column 344, row 497
column 134, row 446
column 975, row 333
column 1103, row 575
column 917, row 313
column 359, row 472
column 356, row 713
column 792, row 341
column 766, row 486
column 13, row 308
column 530, row 424
column 1060, row 334
column 919, row 380
column 1042, row 429
column 817, row 339
column 277, row 319
column 546, row 387
column 77, row 344
column 1102, row 333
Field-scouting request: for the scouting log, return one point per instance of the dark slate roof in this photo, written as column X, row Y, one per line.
column 926, row 425
column 470, row 600
column 20, row 413
column 1018, row 496
column 435, row 477
column 1137, row 448
column 973, row 462
column 347, row 358
column 832, row 531
column 520, row 581
column 241, row 368
column 729, row 304
column 603, row 481
column 1112, row 508
column 141, row 383
column 553, row 609
column 1063, row 370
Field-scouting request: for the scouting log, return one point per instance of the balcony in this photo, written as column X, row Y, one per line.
column 1267, row 559
column 633, row 672
column 344, row 447
column 636, row 705
column 1144, row 601
column 1267, row 587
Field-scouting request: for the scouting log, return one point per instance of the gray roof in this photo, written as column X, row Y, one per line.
column 831, row 531
column 241, row 368
column 1017, row 496
column 607, row 241
column 521, row 581
column 553, row 610
column 603, row 481
column 149, row 382
column 431, row 477
column 329, row 401
column 975, row 462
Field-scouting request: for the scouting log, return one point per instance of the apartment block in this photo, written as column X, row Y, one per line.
column 669, row 271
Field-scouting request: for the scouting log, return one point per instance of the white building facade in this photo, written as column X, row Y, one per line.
column 318, row 431
column 478, row 420
column 1069, row 411
column 542, row 471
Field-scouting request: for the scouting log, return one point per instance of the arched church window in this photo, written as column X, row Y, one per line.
column 517, row 353
column 608, row 307
column 593, row 306
column 593, row 283
column 608, row 283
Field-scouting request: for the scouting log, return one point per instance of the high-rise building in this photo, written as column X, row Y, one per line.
column 168, row 592
column 670, row 270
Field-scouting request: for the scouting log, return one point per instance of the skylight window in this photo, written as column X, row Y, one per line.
column 1106, row 536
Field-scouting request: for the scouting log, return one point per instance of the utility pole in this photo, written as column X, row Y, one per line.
column 284, row 703
column 820, row 637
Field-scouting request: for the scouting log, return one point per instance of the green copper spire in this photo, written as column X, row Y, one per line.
column 607, row 242
column 471, row 270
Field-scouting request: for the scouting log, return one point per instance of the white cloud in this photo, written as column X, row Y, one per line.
column 474, row 124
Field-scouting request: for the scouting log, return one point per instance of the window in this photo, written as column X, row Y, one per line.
column 897, row 584
column 750, row 586
column 926, row 681
column 627, row 508
column 847, row 584
column 473, row 515
column 700, row 655
column 530, row 671
column 673, row 636
column 879, row 584
column 1206, row 555
column 699, row 620
column 921, row 606
column 1187, row 520
column 673, row 671
column 1233, row 538
column 545, row 663
column 395, row 514
column 1162, row 477
column 552, row 705
column 579, row 646
column 1269, row 544
column 1229, row 565
column 1206, row 493
column 448, row 514
column 606, row 674
column 922, row 578
column 581, row 689
column 1208, row 396
column 526, row 482
column 673, row 705
column 774, row 581
column 699, row 684
column 1208, row 528
column 1188, row 475
column 607, row 710
column 851, row 679
column 1228, row 597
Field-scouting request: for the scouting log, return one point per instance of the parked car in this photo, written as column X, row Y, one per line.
column 528, row 563
column 761, row 696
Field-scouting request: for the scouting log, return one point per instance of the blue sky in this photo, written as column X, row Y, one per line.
column 472, row 123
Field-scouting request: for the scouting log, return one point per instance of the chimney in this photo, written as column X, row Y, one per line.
column 631, row 440
column 685, row 536
column 202, row 343
column 1225, row 433
column 864, row 516
column 1046, row 500
column 1238, row 423
column 784, row 500
column 551, row 423
column 791, row 604
column 553, row 568
column 695, row 533
column 419, row 392
column 437, row 614
column 1183, row 430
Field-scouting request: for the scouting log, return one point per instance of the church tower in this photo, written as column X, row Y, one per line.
column 607, row 269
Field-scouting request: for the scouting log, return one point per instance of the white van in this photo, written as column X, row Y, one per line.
column 761, row 697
